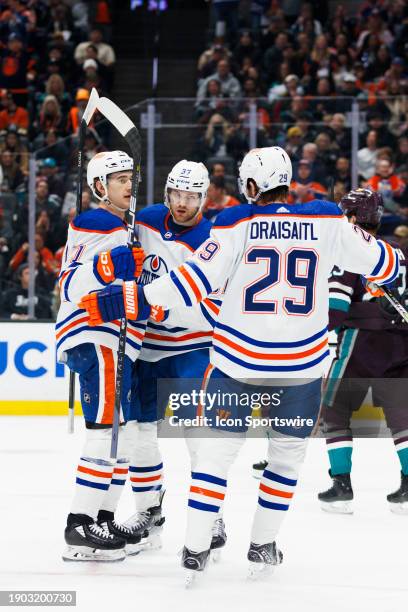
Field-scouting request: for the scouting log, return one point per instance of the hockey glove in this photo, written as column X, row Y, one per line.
column 116, row 302
column 120, row 262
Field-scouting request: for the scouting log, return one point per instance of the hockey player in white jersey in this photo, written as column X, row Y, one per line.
column 96, row 256
column 272, row 323
column 177, row 349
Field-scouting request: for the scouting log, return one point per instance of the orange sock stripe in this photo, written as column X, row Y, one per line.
column 147, row 479
column 207, row 492
column 276, row 492
column 85, row 470
column 120, row 470
column 192, row 283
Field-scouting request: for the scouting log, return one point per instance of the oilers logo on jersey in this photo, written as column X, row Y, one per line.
column 153, row 267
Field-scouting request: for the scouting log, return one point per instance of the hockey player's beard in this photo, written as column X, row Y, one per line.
column 183, row 217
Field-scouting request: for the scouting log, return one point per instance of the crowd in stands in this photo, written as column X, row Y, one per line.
column 305, row 67
column 52, row 53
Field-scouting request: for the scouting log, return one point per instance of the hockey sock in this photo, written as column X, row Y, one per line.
column 401, row 446
column 146, row 467
column 277, row 486
column 340, row 449
column 94, row 473
column 192, row 443
column 112, row 496
column 208, row 487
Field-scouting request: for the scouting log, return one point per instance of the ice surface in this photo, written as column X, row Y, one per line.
column 331, row 562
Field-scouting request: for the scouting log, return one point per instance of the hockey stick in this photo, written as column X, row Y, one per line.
column 393, row 301
column 86, row 118
column 130, row 133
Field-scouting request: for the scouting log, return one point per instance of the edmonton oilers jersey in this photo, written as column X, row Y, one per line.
column 167, row 246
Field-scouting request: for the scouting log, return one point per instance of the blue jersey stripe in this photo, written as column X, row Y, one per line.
column 181, row 289
column 266, row 368
column 93, row 485
column 136, row 489
column 260, row 343
column 67, row 283
column 71, row 316
column 209, row 478
column 105, row 330
column 166, row 329
column 272, row 505
column 279, row 478
column 200, row 275
column 200, row 506
column 118, row 482
column 395, row 273
column 151, row 468
column 380, row 261
column 207, row 315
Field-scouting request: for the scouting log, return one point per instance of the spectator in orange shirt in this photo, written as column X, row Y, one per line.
column 217, row 198
column 305, row 190
column 47, row 257
column 11, row 114
column 387, row 183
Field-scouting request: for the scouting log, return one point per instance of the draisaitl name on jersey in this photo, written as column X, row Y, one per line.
column 286, row 230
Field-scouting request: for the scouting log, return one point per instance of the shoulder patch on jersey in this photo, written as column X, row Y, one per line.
column 96, row 220
column 231, row 216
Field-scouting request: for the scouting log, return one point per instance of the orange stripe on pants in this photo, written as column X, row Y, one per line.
column 109, row 382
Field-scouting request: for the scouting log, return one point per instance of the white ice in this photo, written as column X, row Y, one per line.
column 331, row 562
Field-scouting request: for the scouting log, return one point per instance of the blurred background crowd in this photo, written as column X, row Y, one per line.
column 302, row 63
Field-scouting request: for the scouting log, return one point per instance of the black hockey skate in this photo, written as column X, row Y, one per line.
column 258, row 468
column 193, row 562
column 88, row 541
column 219, row 538
column 399, row 499
column 262, row 559
column 338, row 499
column 107, row 521
column 148, row 525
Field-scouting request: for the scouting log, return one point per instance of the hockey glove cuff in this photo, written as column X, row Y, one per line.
column 120, row 262
column 116, row 302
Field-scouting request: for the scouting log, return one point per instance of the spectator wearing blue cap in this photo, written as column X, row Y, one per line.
column 49, row 171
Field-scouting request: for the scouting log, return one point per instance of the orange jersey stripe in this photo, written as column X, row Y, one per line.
column 390, row 266
column 94, row 472
column 120, row 470
column 63, row 277
column 176, row 339
column 147, row 479
column 211, row 306
column 268, row 356
column 207, row 492
column 109, row 374
column 276, row 492
column 191, row 282
column 71, row 325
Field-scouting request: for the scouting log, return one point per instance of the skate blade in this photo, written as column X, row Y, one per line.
column 259, row 571
column 339, row 507
column 401, row 508
column 132, row 549
column 152, row 542
column 85, row 553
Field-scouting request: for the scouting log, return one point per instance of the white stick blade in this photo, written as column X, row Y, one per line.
column 115, row 115
column 91, row 106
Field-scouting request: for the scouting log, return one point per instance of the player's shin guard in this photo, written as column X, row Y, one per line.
column 146, row 467
column 285, row 458
column 401, row 446
column 339, row 446
column 94, row 473
column 208, row 487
